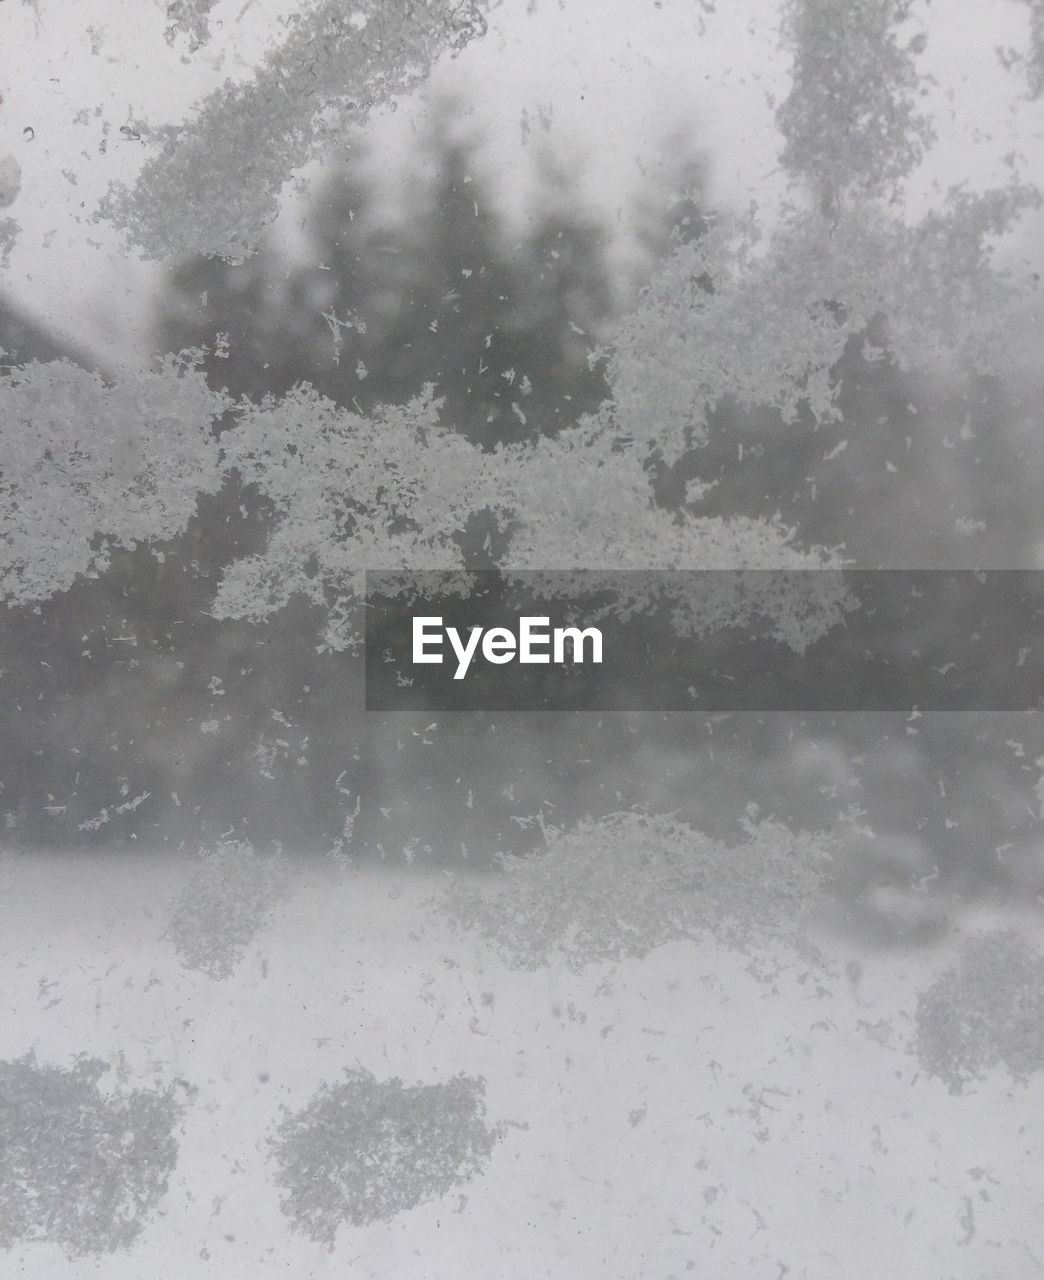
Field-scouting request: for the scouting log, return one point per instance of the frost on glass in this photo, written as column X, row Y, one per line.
column 365, row 1149
column 582, row 500
column 761, row 317
column 754, row 313
column 751, row 313
column 85, row 466
column 788, row 605
column 621, row 887
column 985, row 1012
column 189, row 18
column 394, row 491
column 81, row 1166
column 213, row 184
column 1030, row 61
column 851, row 119
column 348, row 493
column 230, row 896
column 766, row 324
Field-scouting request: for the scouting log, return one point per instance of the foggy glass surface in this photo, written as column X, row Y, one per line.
column 292, row 290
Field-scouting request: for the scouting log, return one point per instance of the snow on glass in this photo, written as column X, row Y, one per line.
column 85, row 465
column 229, row 897
column 748, row 314
column 621, row 887
column 986, row 1012
column 752, row 313
column 81, row 1166
column 212, row 185
column 365, row 1149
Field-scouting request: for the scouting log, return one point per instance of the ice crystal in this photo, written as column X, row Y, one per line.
column 986, row 1012
column 582, row 500
column 79, row 1167
column 213, row 184
column 84, row 465
column 850, row 121
column 740, row 315
column 629, row 883
column 227, row 900
column 730, row 320
column 365, row 1149
column 394, row 491
column 350, row 493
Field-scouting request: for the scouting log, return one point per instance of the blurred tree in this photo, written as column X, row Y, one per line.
column 383, row 301
column 233, row 726
column 949, row 476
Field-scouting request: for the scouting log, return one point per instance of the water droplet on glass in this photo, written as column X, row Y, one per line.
column 28, row 133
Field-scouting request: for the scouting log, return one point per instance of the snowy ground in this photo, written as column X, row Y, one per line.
column 662, row 1118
